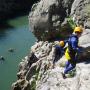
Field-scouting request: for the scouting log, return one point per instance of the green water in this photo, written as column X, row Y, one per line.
column 21, row 39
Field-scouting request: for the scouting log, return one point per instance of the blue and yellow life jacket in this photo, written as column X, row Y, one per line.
column 71, row 49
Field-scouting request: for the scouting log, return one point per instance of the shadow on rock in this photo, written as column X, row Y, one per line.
column 85, row 56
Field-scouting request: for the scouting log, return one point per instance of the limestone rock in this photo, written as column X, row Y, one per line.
column 21, row 84
column 47, row 17
column 80, row 12
column 84, row 39
column 41, row 76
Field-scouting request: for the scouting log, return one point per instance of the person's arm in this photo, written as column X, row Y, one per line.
column 75, row 44
column 60, row 48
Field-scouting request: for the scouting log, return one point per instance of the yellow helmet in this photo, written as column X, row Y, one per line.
column 61, row 43
column 78, row 29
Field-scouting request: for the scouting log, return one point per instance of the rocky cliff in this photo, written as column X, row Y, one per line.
column 47, row 18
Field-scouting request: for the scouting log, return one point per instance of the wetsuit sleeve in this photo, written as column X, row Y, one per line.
column 74, row 44
column 61, row 49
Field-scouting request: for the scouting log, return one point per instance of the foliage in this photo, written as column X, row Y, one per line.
column 68, row 27
column 71, row 22
column 35, row 78
column 33, row 85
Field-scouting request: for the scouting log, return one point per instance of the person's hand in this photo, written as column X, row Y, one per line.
column 80, row 49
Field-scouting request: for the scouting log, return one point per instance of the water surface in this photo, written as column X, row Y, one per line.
column 20, row 39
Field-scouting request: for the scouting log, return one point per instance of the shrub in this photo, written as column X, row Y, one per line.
column 71, row 22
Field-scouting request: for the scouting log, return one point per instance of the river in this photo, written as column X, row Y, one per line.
column 18, row 37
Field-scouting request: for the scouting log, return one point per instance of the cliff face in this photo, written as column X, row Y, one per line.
column 35, row 71
column 81, row 13
column 48, row 17
column 10, row 8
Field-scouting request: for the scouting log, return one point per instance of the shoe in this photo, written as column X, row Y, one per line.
column 64, row 77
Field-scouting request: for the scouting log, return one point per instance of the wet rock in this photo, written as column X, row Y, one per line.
column 11, row 49
column 2, row 58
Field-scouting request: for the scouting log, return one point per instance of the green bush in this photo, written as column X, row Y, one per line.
column 35, row 78
column 71, row 22
column 33, row 85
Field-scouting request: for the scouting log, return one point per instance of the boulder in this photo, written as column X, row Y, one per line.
column 48, row 18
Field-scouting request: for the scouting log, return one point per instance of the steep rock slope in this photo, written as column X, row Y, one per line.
column 36, row 72
column 81, row 12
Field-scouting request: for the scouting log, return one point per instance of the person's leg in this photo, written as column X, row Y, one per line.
column 66, row 66
column 69, row 68
column 72, row 64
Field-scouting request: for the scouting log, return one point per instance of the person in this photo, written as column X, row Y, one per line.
column 72, row 50
column 59, row 51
